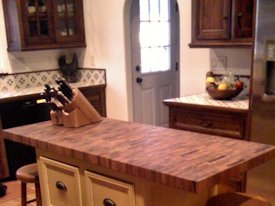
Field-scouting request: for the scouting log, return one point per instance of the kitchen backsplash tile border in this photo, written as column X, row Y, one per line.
column 39, row 78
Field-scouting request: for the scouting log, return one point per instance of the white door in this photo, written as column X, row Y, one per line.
column 155, row 58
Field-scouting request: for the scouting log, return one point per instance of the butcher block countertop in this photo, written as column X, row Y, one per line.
column 186, row 160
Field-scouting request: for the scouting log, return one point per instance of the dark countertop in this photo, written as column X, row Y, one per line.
column 186, row 160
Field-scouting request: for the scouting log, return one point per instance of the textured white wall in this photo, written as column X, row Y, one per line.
column 194, row 63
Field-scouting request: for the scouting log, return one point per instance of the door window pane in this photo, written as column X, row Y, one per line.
column 144, row 10
column 164, row 10
column 154, row 35
column 154, row 10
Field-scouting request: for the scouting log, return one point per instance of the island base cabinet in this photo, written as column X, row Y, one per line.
column 104, row 191
column 60, row 183
column 99, row 186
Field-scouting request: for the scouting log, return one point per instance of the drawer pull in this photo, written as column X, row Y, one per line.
column 108, row 202
column 61, row 186
column 207, row 124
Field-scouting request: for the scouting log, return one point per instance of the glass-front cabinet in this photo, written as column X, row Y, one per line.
column 44, row 24
column 66, row 18
column 38, row 21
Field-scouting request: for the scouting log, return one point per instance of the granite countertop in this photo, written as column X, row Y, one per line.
column 186, row 160
column 203, row 99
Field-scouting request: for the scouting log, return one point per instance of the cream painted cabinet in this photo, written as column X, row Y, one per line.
column 60, row 183
column 105, row 191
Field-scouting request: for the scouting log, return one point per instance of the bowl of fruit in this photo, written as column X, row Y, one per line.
column 224, row 88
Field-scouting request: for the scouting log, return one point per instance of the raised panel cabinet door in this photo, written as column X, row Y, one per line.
column 243, row 18
column 37, row 22
column 59, row 182
column 69, row 21
column 213, row 19
column 105, row 191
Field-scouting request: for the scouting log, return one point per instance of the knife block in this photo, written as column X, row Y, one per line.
column 78, row 113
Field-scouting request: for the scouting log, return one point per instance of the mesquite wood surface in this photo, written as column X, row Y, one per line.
column 182, row 159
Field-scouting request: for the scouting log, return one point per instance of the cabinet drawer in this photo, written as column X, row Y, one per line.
column 106, row 191
column 209, row 123
column 60, row 183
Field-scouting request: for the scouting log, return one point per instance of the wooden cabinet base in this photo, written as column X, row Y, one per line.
column 115, row 187
column 210, row 120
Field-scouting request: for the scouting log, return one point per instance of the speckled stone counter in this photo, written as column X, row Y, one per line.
column 203, row 99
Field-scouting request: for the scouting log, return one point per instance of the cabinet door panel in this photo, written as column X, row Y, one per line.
column 37, row 21
column 60, row 183
column 106, row 191
column 214, row 19
column 243, row 18
column 68, row 22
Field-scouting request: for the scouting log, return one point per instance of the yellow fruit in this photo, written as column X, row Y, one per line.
column 210, row 80
column 222, row 86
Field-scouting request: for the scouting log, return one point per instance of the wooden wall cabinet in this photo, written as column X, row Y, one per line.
column 222, row 23
column 44, row 24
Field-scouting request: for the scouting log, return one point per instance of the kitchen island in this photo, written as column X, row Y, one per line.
column 134, row 164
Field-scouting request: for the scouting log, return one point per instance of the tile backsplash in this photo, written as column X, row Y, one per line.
column 233, row 60
column 39, row 78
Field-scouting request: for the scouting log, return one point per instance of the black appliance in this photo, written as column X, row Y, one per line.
column 18, row 113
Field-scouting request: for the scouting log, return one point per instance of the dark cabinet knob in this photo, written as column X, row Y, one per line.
column 139, row 80
column 108, row 202
column 61, row 186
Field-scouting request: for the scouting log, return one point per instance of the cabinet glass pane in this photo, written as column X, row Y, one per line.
column 62, row 29
column 44, row 28
column 33, row 28
column 71, row 28
column 31, row 7
column 60, row 8
column 42, row 6
column 70, row 8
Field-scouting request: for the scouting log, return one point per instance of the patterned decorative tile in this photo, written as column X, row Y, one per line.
column 87, row 77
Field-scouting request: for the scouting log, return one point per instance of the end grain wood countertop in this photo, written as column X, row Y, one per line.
column 182, row 159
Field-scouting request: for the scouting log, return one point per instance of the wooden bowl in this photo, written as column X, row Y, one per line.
column 223, row 94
